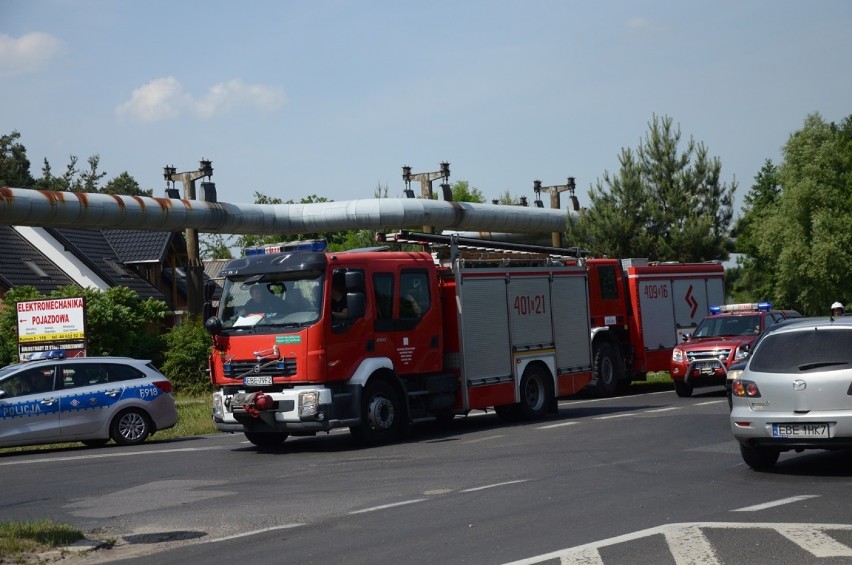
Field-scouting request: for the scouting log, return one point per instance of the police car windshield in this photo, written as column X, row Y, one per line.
column 722, row 326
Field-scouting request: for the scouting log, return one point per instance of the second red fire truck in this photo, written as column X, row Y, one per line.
column 427, row 335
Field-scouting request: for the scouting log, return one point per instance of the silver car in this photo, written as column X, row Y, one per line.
column 87, row 399
column 795, row 392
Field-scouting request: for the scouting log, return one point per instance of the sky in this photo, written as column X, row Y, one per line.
column 333, row 97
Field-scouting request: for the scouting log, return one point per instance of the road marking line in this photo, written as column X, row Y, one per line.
column 474, row 489
column 588, row 556
column 708, row 402
column 385, row 506
column 489, row 438
column 251, row 533
column 561, row 425
column 625, row 415
column 663, row 409
column 774, row 503
column 817, row 542
column 569, row 552
column 689, row 545
column 104, row 455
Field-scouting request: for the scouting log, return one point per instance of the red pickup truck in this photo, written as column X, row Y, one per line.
column 720, row 340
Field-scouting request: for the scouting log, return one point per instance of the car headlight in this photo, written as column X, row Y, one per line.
column 677, row 355
column 742, row 352
column 734, row 374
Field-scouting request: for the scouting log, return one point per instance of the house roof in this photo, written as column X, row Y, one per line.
column 93, row 248
column 134, row 246
column 22, row 264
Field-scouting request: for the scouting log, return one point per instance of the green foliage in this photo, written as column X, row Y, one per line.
column 20, row 541
column 14, row 165
column 803, row 235
column 125, row 184
column 663, row 204
column 9, row 321
column 216, row 246
column 117, row 322
column 186, row 357
column 463, row 192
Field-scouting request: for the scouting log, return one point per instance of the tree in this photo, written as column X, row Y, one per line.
column 463, row 192
column 804, row 237
column 14, row 165
column 754, row 277
column 117, row 322
column 187, row 352
column 125, row 184
column 663, row 204
column 216, row 246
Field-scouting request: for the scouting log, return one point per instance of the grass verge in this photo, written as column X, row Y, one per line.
column 21, row 541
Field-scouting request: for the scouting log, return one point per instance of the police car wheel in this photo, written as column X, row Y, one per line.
column 130, row 427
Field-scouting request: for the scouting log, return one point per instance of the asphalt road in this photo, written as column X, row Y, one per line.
column 636, row 479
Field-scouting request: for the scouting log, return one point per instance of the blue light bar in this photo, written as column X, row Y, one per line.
column 49, row 354
column 286, row 247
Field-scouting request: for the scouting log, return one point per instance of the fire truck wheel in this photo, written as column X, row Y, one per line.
column 266, row 439
column 381, row 414
column 682, row 389
column 607, row 370
column 536, row 394
column 509, row 412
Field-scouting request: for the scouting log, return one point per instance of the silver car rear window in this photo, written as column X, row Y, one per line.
column 813, row 350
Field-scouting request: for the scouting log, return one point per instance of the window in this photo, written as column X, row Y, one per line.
column 606, row 280
column 820, row 349
column 30, row 381
column 414, row 297
column 383, row 293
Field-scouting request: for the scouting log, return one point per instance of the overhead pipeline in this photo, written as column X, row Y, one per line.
column 26, row 207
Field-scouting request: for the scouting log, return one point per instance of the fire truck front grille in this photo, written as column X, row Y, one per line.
column 721, row 354
column 278, row 368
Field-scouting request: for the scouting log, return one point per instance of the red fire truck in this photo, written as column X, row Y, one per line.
column 426, row 335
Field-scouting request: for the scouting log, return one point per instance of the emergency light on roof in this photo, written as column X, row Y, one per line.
column 283, row 247
column 50, row 354
column 745, row 307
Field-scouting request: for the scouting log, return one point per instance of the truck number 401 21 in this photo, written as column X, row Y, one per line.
column 530, row 305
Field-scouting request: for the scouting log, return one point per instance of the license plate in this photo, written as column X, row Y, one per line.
column 800, row 430
column 257, row 381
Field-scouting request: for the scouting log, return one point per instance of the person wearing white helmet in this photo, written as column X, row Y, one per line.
column 837, row 309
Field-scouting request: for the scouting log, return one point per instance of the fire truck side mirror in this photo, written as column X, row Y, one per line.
column 355, row 281
column 356, row 305
column 685, row 336
column 210, row 289
column 213, row 325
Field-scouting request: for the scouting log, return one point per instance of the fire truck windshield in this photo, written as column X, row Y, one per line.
column 271, row 302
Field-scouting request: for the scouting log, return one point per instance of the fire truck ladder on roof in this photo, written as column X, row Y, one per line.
column 456, row 243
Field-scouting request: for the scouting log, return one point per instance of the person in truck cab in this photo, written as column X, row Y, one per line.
column 261, row 302
column 339, row 311
column 837, row 309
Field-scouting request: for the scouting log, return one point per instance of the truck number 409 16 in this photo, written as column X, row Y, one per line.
column 656, row 291
column 529, row 305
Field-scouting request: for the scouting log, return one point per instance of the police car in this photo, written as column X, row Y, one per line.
column 88, row 399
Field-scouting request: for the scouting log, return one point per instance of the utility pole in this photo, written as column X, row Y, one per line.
column 195, row 268
column 555, row 190
column 425, row 180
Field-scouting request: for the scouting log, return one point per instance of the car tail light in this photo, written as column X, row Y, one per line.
column 745, row 389
column 164, row 386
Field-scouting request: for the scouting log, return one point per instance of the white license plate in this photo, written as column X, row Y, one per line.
column 257, row 381
column 800, row 430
